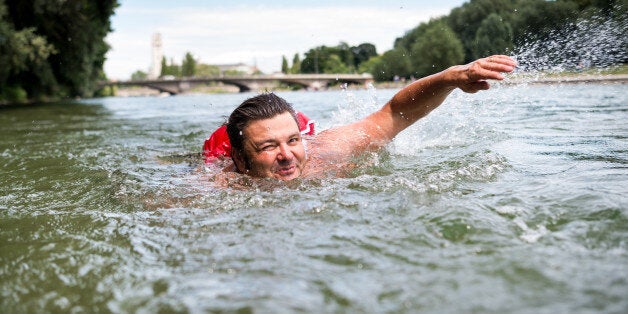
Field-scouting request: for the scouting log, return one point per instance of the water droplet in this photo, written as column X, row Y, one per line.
column 591, row 43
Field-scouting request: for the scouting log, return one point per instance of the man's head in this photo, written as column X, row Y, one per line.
column 265, row 138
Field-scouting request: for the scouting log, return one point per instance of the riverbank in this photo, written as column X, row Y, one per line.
column 516, row 79
column 513, row 80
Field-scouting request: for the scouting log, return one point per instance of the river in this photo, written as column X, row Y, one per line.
column 512, row 200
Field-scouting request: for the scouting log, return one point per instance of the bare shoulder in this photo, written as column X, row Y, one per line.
column 334, row 151
column 351, row 139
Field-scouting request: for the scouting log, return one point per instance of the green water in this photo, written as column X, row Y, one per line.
column 508, row 201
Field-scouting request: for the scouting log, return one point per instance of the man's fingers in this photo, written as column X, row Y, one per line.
column 472, row 76
column 486, row 72
column 499, row 63
column 502, row 59
column 492, row 67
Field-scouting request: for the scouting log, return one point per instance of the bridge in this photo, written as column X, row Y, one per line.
column 247, row 83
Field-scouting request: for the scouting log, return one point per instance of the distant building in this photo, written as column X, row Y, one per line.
column 157, row 54
column 239, row 68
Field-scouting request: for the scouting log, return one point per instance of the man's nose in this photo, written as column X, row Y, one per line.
column 284, row 152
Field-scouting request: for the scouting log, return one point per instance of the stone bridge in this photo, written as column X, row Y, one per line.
column 248, row 83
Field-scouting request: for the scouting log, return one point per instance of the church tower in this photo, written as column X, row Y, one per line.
column 157, row 54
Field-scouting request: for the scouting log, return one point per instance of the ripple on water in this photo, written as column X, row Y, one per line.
column 498, row 201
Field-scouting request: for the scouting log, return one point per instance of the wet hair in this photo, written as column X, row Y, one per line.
column 263, row 106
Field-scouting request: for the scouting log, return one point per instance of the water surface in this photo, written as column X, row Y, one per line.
column 511, row 200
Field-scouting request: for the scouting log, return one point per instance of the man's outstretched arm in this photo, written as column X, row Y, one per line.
column 414, row 102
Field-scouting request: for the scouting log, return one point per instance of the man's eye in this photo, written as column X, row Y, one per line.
column 293, row 140
column 268, row 147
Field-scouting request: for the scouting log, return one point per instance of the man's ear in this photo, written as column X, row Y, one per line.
column 238, row 160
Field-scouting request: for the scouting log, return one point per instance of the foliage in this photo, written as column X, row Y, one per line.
column 392, row 64
column 233, row 72
column 52, row 48
column 494, row 36
column 315, row 59
column 296, row 64
column 369, row 65
column 483, row 27
column 139, row 75
column 206, row 70
column 339, row 59
column 284, row 65
column 438, row 49
column 362, row 53
column 466, row 19
column 536, row 19
column 13, row 94
column 334, row 64
column 188, row 66
column 169, row 68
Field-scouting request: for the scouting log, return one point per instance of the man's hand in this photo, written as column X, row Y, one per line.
column 472, row 77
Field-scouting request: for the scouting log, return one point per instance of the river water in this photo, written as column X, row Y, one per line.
column 512, row 200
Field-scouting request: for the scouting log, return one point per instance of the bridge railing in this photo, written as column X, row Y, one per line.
column 246, row 82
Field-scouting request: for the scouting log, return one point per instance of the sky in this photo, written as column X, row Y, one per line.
column 256, row 32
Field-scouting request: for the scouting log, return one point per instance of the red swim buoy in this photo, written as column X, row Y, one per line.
column 218, row 145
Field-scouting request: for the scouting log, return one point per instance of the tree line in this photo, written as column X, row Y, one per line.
column 56, row 49
column 52, row 49
column 476, row 29
column 189, row 67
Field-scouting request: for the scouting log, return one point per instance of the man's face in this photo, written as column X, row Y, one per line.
column 274, row 148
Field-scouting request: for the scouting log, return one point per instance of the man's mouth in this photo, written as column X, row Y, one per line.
column 286, row 170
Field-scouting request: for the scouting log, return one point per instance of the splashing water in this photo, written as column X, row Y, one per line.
column 469, row 211
column 355, row 106
column 597, row 42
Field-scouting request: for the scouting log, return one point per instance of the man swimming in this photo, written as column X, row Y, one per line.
column 266, row 140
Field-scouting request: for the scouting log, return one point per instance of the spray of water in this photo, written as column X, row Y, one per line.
column 355, row 106
column 597, row 43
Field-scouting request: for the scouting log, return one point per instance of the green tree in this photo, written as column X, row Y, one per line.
column 340, row 58
column 284, row 65
column 393, row 63
column 138, row 75
column 170, row 68
column 296, row 64
column 345, row 54
column 536, row 19
column 24, row 55
column 313, row 60
column 410, row 37
column 164, row 66
column 362, row 53
column 206, row 70
column 437, row 49
column 334, row 64
column 188, row 66
column 369, row 65
column 54, row 48
column 466, row 19
column 494, row 36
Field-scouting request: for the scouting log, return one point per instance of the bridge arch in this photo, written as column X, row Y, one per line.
column 247, row 83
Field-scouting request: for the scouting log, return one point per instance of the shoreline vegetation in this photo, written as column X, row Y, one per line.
column 517, row 79
column 55, row 60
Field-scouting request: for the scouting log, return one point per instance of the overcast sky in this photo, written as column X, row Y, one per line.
column 256, row 32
